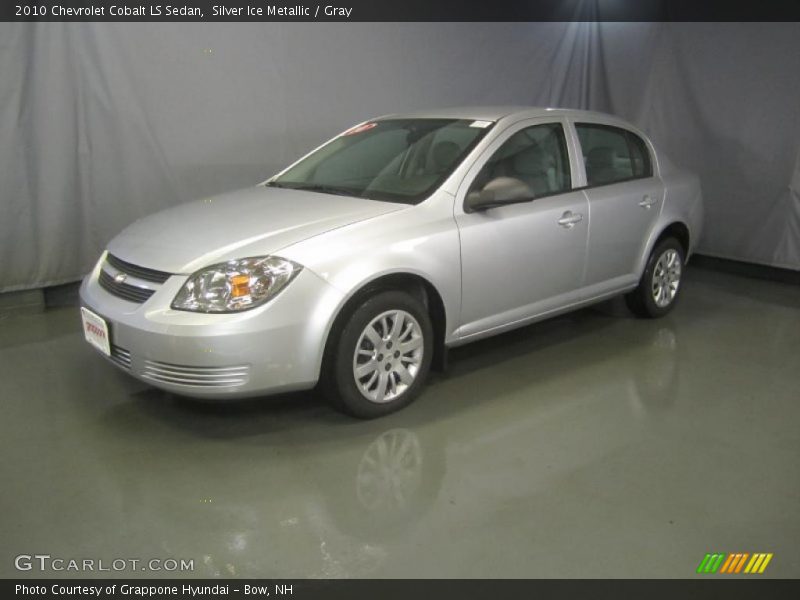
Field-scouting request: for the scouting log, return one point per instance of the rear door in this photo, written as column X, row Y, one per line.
column 625, row 198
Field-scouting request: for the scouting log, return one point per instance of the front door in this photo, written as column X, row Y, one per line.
column 526, row 259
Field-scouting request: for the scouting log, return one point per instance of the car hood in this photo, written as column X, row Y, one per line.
column 250, row 222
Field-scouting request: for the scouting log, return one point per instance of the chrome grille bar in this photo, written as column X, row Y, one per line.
column 121, row 357
column 196, row 376
column 125, row 291
column 137, row 271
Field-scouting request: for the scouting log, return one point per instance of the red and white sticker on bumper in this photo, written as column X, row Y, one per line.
column 95, row 330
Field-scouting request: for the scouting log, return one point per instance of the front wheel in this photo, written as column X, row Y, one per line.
column 382, row 357
column 660, row 285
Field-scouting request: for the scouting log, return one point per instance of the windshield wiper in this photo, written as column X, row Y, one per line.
column 316, row 187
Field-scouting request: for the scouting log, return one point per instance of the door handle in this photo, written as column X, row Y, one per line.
column 647, row 202
column 569, row 218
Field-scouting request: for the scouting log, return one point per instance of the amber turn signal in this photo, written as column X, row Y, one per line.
column 240, row 286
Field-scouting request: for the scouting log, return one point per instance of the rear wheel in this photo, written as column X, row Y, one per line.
column 382, row 357
column 660, row 285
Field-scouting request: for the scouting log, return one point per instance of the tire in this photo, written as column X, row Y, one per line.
column 389, row 377
column 661, row 282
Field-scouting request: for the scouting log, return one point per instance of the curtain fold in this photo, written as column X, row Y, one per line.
column 102, row 123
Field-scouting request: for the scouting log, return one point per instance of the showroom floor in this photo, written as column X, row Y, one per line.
column 593, row 445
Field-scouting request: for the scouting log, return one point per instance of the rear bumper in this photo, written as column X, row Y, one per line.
column 273, row 348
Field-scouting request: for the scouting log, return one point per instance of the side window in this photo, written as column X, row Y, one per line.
column 640, row 157
column 536, row 155
column 612, row 154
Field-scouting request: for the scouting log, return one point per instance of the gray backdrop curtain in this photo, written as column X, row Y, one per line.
column 102, row 123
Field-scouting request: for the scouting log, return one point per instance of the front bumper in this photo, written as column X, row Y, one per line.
column 273, row 348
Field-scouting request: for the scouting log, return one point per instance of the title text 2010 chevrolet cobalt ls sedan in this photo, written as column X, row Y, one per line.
column 360, row 264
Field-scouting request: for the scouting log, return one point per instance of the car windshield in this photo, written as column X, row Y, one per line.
column 399, row 160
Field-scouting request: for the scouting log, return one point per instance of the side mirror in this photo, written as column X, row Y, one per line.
column 498, row 192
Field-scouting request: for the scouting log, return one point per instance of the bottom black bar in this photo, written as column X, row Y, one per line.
column 707, row 586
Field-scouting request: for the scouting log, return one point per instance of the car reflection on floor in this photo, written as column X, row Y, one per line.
column 245, row 484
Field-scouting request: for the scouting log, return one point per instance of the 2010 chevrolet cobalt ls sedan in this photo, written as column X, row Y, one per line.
column 358, row 266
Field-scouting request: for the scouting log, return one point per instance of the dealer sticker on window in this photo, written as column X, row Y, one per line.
column 95, row 330
column 359, row 128
column 481, row 124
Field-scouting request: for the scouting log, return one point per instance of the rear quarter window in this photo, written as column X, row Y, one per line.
column 612, row 154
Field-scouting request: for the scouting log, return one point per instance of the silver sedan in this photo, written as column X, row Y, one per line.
column 358, row 266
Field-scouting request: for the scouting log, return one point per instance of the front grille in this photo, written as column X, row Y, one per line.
column 195, row 376
column 121, row 357
column 137, row 271
column 125, row 291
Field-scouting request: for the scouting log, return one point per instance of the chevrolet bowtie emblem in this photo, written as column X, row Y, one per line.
column 120, row 277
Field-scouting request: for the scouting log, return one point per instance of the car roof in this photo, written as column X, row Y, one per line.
column 495, row 113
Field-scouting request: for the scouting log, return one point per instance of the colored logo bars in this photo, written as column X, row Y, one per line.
column 734, row 563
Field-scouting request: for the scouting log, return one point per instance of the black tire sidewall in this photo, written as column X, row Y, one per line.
column 347, row 396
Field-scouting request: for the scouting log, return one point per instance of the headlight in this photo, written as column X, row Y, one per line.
column 235, row 285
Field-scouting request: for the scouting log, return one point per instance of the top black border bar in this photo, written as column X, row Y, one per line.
column 401, row 10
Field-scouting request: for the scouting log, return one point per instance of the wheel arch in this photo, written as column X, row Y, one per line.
column 680, row 231
column 674, row 228
column 412, row 283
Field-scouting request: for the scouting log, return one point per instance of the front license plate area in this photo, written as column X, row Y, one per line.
column 95, row 330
